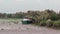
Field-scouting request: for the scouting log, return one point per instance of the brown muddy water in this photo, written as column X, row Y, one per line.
column 9, row 27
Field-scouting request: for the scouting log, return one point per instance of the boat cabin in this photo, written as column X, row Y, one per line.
column 27, row 20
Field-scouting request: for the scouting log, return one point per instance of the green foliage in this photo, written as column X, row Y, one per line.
column 19, row 16
column 56, row 24
column 49, row 23
column 59, row 15
column 40, row 17
column 54, row 17
column 43, row 23
column 9, row 15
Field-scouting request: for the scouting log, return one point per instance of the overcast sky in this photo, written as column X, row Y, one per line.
column 12, row 6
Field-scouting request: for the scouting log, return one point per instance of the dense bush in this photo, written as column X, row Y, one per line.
column 43, row 22
column 40, row 17
column 49, row 23
column 54, row 17
column 56, row 24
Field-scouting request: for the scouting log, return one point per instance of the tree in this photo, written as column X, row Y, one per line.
column 54, row 16
column 9, row 15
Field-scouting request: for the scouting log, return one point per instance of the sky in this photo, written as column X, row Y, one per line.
column 13, row 6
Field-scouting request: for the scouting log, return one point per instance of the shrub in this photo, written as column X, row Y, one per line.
column 49, row 23
column 54, row 17
column 56, row 24
column 43, row 23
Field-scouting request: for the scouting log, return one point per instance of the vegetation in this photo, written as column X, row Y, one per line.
column 47, row 18
column 49, row 23
column 56, row 23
